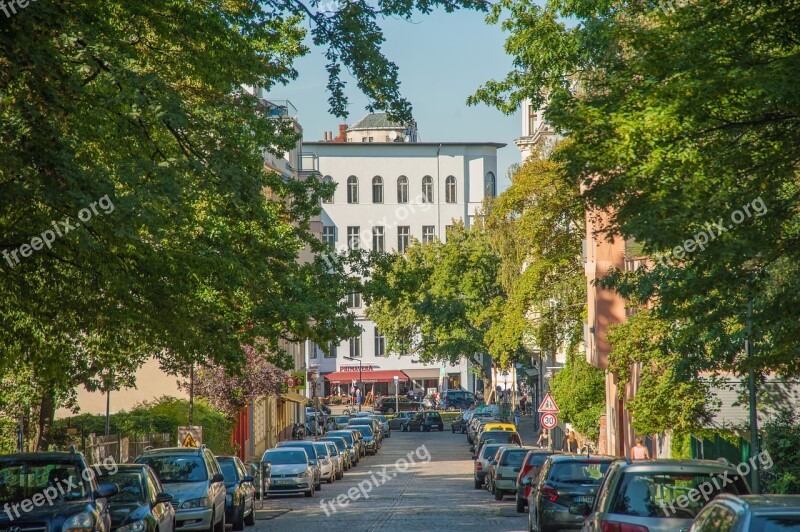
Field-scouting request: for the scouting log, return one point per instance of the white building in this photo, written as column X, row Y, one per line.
column 387, row 193
column 537, row 134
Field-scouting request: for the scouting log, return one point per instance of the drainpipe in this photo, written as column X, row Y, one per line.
column 438, row 195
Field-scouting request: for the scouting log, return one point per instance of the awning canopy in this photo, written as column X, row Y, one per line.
column 417, row 374
column 295, row 397
column 347, row 377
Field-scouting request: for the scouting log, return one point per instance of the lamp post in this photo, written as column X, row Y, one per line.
column 360, row 382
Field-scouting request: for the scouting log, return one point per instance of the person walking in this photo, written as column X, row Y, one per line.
column 639, row 451
column 571, row 444
column 523, row 403
column 517, row 414
column 544, row 439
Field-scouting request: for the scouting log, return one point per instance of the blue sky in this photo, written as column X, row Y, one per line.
column 443, row 58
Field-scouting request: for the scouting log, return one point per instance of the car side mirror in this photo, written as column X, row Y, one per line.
column 248, row 478
column 165, row 498
column 580, row 508
column 106, row 489
column 527, row 481
column 217, row 478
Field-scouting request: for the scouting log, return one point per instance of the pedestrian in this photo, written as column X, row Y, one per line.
column 544, row 439
column 517, row 413
column 523, row 403
column 571, row 444
column 331, row 424
column 639, row 451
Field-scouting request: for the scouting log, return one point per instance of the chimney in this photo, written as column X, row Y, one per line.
column 324, row 136
column 342, row 133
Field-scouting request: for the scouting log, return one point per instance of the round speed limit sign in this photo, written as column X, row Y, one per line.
column 549, row 421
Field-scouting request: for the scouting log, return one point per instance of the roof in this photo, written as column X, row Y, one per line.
column 573, row 457
column 375, row 121
column 764, row 504
column 341, row 145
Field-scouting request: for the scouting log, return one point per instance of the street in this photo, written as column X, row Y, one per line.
column 435, row 495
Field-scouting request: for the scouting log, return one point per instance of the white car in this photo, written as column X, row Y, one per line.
column 338, row 460
column 326, row 465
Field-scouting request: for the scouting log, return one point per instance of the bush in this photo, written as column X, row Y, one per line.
column 782, row 441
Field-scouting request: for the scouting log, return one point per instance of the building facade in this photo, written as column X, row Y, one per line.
column 387, row 194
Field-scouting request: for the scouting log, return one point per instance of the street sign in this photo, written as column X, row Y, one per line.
column 190, row 436
column 549, row 405
column 549, row 420
column 299, row 380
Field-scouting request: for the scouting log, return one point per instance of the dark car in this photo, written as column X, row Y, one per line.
column 387, row 405
column 531, row 466
column 457, row 400
column 659, row 495
column 495, row 436
column 240, row 496
column 313, row 457
column 369, row 421
column 396, row 423
column 371, row 443
column 352, row 444
column 343, row 447
column 141, row 504
column 564, row 480
column 749, row 513
column 459, row 425
column 424, row 421
column 52, row 491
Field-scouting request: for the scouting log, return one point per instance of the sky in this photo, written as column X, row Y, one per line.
column 443, row 58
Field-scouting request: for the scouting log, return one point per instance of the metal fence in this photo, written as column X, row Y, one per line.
column 122, row 448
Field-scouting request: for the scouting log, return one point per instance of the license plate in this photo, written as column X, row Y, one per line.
column 585, row 498
column 282, row 482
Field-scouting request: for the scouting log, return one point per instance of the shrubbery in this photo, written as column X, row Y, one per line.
column 782, row 441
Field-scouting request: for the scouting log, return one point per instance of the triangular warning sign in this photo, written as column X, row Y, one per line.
column 549, row 404
column 189, row 441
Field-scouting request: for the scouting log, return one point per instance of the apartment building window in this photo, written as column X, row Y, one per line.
column 354, row 300
column 402, row 189
column 490, row 185
column 450, row 189
column 352, row 189
column 314, row 351
column 428, row 233
column 380, row 343
column 355, row 346
column 327, row 180
column 353, row 239
column 403, row 233
column 378, row 238
column 427, row 189
column 332, row 348
column 329, row 235
column 377, row 189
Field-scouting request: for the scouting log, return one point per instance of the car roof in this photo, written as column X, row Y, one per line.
column 765, row 504
column 125, row 467
column 672, row 465
column 41, row 456
column 582, row 457
column 174, row 450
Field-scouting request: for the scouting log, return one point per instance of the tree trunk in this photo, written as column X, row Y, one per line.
column 486, row 378
column 47, row 410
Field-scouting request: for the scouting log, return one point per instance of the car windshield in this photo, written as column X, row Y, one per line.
column 346, row 435
column 311, row 451
column 23, row 480
column 287, row 457
column 489, row 450
column 514, row 457
column 131, row 486
column 656, row 494
column 342, row 419
column 360, row 421
column 382, row 419
column 228, row 470
column 364, row 430
column 500, row 436
column 432, row 415
column 340, row 446
column 775, row 522
column 537, row 459
column 322, row 449
column 177, row 468
column 579, row 472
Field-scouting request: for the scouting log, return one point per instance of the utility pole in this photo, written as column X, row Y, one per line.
column 191, row 395
column 751, row 374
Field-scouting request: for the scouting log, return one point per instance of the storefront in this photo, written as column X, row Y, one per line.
column 374, row 383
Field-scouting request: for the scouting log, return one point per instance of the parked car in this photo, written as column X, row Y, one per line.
column 476, row 426
column 480, row 466
column 313, row 457
column 28, row 477
column 342, row 450
column 371, row 443
column 292, row 471
column 457, row 399
column 564, row 482
column 374, row 424
column 338, row 459
column 503, row 469
column 749, row 513
column 387, row 430
column 531, row 466
column 396, row 423
column 194, row 479
column 459, row 424
column 327, row 466
column 496, row 436
column 141, row 504
column 240, row 505
column 648, row 494
column 362, row 448
column 388, row 405
column 424, row 421
column 352, row 444
column 341, row 422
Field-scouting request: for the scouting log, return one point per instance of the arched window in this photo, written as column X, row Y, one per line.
column 489, row 185
column 352, row 189
column 327, row 180
column 450, row 189
column 377, row 189
column 402, row 189
column 427, row 189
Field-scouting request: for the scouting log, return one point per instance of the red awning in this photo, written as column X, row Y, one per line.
column 347, row 377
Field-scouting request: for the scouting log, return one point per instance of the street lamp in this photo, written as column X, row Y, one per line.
column 360, row 382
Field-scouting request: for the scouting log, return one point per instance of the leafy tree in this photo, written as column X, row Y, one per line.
column 680, row 118
column 581, row 391
column 438, row 300
column 782, row 442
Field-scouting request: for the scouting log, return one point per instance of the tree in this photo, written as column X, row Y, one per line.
column 683, row 123
column 581, row 391
column 438, row 300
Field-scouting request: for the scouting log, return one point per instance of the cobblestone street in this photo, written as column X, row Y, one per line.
column 435, row 495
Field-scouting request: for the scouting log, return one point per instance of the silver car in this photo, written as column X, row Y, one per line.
column 337, row 459
column 292, row 471
column 750, row 513
column 326, row 465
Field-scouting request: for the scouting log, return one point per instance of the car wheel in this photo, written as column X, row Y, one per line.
column 250, row 520
column 318, row 485
column 478, row 484
column 405, row 428
column 221, row 525
column 330, row 480
column 520, row 505
column 238, row 521
column 309, row 493
column 213, row 527
column 498, row 494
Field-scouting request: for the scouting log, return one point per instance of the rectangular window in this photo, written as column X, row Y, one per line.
column 354, row 300
column 314, row 350
column 428, row 233
column 378, row 234
column 403, row 233
column 353, row 238
column 329, row 235
column 332, row 348
column 380, row 344
column 355, row 346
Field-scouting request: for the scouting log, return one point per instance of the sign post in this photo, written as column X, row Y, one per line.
column 548, row 405
column 549, row 420
column 190, row 436
column 396, row 398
